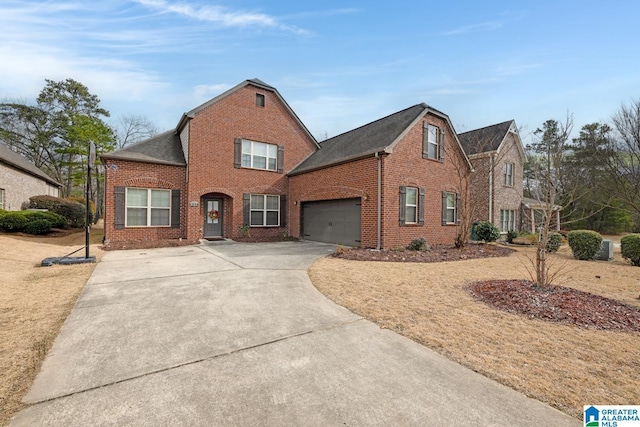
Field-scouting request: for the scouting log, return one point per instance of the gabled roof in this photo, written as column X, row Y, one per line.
column 164, row 148
column 485, row 139
column 14, row 159
column 253, row 82
column 378, row 136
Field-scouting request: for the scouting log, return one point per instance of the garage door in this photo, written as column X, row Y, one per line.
column 332, row 221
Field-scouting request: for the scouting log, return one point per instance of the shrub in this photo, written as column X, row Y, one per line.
column 584, row 244
column 630, row 248
column 57, row 221
column 419, row 244
column 13, row 221
column 72, row 211
column 554, row 242
column 37, row 226
column 81, row 200
column 511, row 234
column 487, row 231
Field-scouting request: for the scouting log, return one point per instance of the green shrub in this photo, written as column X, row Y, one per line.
column 37, row 226
column 13, row 221
column 511, row 234
column 487, row 231
column 73, row 212
column 57, row 221
column 630, row 248
column 419, row 244
column 584, row 244
column 554, row 241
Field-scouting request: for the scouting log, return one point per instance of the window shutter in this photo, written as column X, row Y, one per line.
column 444, row 208
column 421, row 207
column 283, row 211
column 441, row 145
column 246, row 209
column 280, row 159
column 403, row 201
column 175, row 208
column 237, row 153
column 458, row 208
column 425, row 140
column 120, row 207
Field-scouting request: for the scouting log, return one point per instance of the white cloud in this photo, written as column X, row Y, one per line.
column 221, row 15
column 483, row 26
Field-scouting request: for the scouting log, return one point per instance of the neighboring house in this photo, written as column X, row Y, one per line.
column 20, row 179
column 244, row 163
column 497, row 156
column 532, row 213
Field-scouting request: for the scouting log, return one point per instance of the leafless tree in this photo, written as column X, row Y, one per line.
column 132, row 128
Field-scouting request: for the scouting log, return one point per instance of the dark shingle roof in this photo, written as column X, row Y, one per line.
column 164, row 148
column 484, row 139
column 363, row 141
column 14, row 159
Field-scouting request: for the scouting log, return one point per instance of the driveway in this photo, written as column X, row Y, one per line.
column 235, row 334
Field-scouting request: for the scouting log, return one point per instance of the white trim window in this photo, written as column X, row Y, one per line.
column 507, row 220
column 508, row 174
column 147, row 207
column 259, row 155
column 432, row 141
column 2, row 205
column 265, row 210
column 411, row 206
column 450, row 208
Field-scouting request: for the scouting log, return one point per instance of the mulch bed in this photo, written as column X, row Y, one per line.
column 147, row 244
column 435, row 254
column 557, row 304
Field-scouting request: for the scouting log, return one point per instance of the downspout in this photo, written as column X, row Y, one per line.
column 491, row 165
column 379, row 230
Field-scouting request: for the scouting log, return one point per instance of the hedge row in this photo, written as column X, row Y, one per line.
column 31, row 222
column 72, row 210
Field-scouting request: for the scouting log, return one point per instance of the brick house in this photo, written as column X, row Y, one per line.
column 497, row 156
column 243, row 162
column 20, row 179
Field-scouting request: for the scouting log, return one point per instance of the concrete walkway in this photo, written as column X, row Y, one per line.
column 236, row 335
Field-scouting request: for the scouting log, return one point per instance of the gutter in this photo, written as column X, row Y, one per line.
column 379, row 219
column 491, row 171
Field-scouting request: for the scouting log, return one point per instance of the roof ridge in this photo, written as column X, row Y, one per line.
column 487, row 127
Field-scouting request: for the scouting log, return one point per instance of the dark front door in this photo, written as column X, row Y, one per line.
column 213, row 217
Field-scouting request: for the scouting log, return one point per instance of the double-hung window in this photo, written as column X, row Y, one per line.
column 147, row 207
column 507, row 220
column 411, row 206
column 432, row 142
column 508, row 174
column 449, row 208
column 259, row 155
column 265, row 210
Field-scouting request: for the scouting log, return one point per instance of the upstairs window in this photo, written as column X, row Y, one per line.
column 432, row 142
column 259, row 100
column 508, row 174
column 258, row 155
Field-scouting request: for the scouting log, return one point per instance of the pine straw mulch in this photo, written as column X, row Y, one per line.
column 440, row 253
column 557, row 304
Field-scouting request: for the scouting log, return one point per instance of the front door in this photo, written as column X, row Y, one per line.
column 212, row 217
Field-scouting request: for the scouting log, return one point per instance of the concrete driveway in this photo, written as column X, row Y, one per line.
column 236, row 335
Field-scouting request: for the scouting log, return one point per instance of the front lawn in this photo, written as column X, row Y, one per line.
column 563, row 365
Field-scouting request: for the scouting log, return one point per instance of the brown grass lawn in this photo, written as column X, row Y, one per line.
column 564, row 366
column 34, row 302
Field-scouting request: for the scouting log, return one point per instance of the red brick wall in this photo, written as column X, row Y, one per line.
column 142, row 175
column 349, row 180
column 406, row 167
column 211, row 156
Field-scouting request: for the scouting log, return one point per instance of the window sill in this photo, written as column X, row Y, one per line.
column 265, row 226
column 259, row 169
column 147, row 226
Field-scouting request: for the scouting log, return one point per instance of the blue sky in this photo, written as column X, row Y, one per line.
column 339, row 64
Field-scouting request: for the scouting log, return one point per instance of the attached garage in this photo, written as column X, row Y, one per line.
column 332, row 221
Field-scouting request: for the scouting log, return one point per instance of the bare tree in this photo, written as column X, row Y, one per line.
column 546, row 158
column 132, row 128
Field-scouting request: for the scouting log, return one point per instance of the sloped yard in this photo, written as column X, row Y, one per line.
column 563, row 365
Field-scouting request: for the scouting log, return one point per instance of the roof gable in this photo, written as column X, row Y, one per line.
column 10, row 157
column 164, row 148
column 485, row 139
